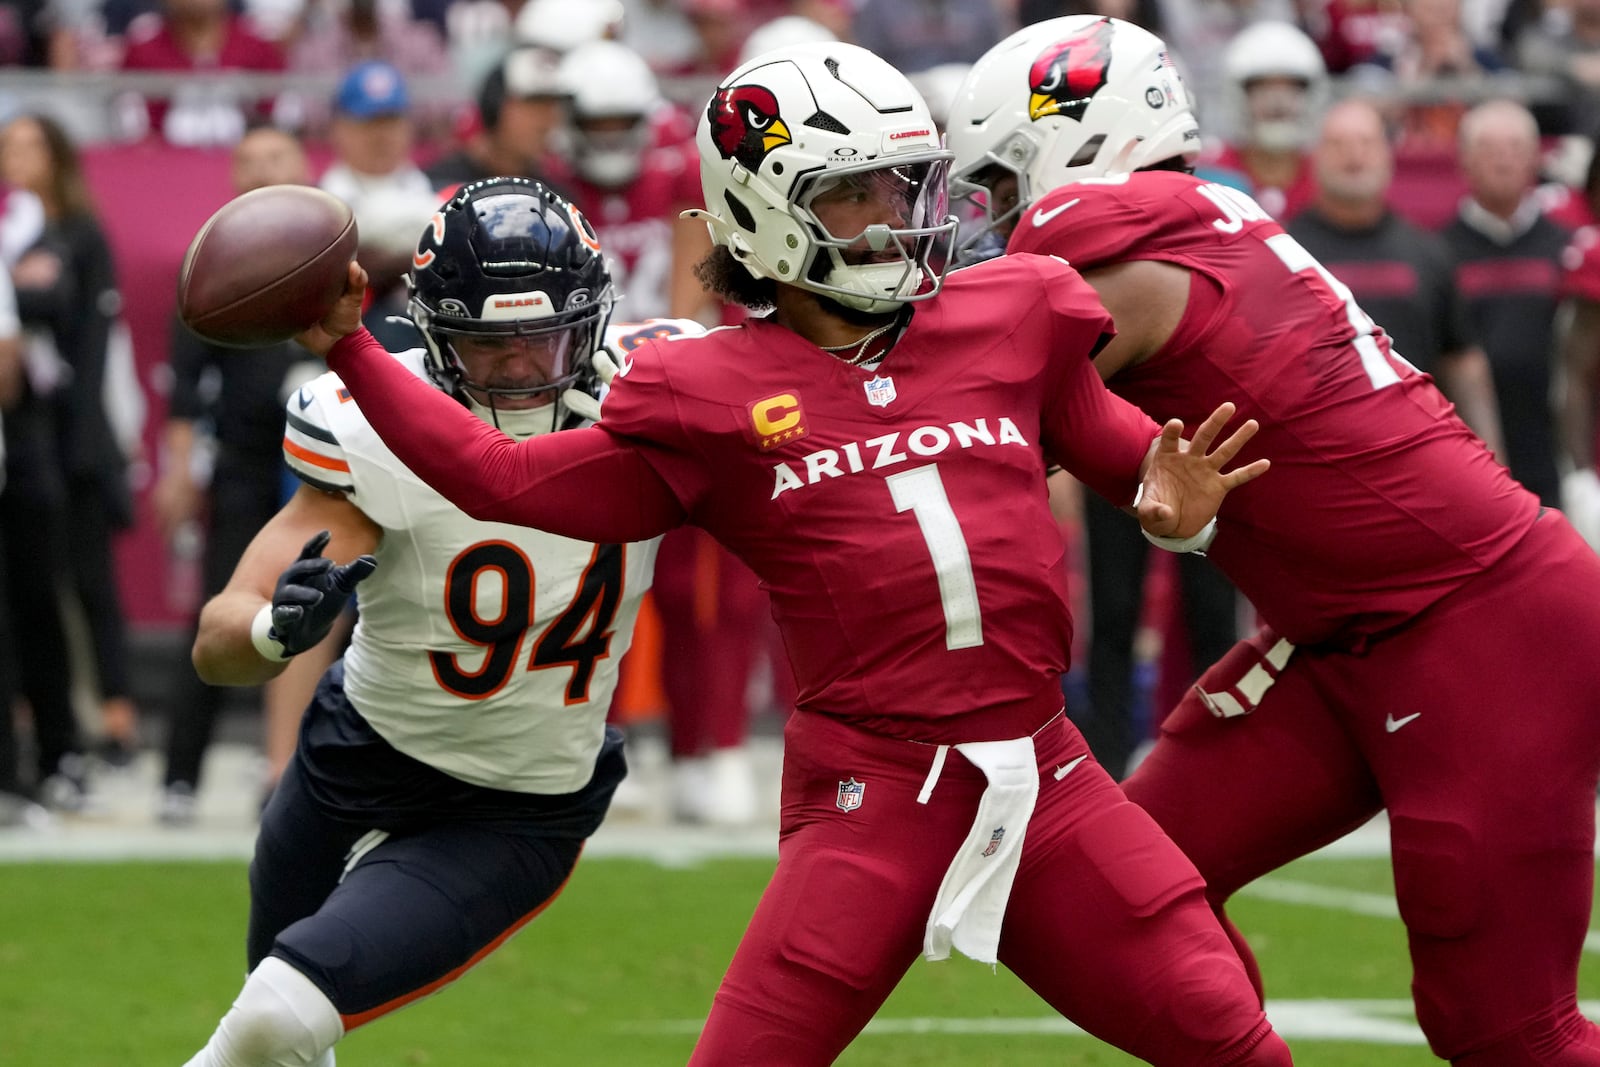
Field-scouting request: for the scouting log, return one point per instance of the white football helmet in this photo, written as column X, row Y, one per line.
column 782, row 32
column 562, row 25
column 1275, row 49
column 1082, row 96
column 802, row 121
column 604, row 80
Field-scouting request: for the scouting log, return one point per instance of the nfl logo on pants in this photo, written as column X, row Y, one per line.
column 850, row 794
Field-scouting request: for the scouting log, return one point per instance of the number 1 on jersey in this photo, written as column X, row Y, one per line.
column 921, row 492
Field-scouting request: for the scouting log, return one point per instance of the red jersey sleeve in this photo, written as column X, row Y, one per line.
column 584, row 484
column 1580, row 263
column 1085, row 222
column 643, row 409
column 1096, row 436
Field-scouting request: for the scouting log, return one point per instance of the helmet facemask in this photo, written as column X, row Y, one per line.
column 987, row 217
column 876, row 266
column 559, row 361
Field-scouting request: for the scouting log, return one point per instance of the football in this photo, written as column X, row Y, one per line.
column 267, row 265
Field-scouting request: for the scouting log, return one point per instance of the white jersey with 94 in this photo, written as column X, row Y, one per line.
column 486, row 650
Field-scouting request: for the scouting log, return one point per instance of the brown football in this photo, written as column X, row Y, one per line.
column 266, row 265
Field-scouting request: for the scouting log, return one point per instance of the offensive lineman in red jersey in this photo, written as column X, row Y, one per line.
column 1432, row 629
column 876, row 452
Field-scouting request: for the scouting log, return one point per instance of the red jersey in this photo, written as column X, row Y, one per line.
column 1379, row 501
column 635, row 226
column 898, row 516
column 194, row 113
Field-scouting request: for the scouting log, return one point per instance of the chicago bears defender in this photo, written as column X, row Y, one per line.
column 876, row 452
column 1432, row 629
column 451, row 766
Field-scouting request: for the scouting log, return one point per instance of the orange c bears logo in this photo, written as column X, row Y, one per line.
column 777, row 420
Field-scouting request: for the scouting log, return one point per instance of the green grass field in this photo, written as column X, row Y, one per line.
column 131, row 964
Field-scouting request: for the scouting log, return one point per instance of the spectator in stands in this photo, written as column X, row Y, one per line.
column 1199, row 32
column 1145, row 13
column 719, row 27
column 25, row 33
column 1275, row 86
column 520, row 107
column 914, row 35
column 1565, row 43
column 1435, row 46
column 1401, row 275
column 372, row 171
column 337, row 35
column 200, row 36
column 247, row 480
column 1507, row 256
column 67, row 284
column 333, row 38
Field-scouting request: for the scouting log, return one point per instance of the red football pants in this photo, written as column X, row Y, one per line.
column 1107, row 920
column 1478, row 727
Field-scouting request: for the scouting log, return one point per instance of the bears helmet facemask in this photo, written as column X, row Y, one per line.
column 509, row 257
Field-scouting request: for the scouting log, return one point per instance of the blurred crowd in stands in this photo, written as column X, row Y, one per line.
column 1435, row 155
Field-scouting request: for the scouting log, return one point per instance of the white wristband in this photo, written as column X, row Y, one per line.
column 261, row 636
column 1198, row 543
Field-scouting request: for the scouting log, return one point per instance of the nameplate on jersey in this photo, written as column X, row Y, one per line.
column 880, row 390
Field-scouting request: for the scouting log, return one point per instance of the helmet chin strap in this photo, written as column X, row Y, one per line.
column 518, row 423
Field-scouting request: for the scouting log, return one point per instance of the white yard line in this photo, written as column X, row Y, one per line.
column 1373, row 1022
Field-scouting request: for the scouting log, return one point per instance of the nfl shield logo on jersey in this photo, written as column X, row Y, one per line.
column 850, row 794
column 880, row 391
column 994, row 842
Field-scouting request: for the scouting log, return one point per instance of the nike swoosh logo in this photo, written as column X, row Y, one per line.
column 304, row 396
column 1391, row 724
column 1066, row 769
column 1042, row 216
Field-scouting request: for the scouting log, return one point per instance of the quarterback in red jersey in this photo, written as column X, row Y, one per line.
column 876, row 452
column 1430, row 649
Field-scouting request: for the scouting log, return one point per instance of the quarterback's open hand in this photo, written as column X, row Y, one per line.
column 605, row 365
column 1184, row 482
column 345, row 317
column 311, row 593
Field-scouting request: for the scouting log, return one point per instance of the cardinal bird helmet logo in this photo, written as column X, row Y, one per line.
column 1068, row 73
column 745, row 124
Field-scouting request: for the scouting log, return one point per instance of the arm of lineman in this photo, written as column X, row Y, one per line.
column 285, row 567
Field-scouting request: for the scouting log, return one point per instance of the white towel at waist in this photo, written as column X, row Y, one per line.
column 971, row 904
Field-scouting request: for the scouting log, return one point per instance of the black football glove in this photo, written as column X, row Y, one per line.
column 311, row 593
